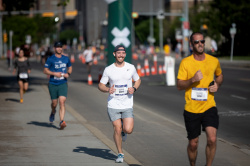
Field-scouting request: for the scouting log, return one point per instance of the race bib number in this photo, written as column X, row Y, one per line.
column 121, row 90
column 23, row 75
column 61, row 78
column 199, row 94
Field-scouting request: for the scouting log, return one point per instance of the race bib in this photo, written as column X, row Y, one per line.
column 61, row 78
column 23, row 75
column 121, row 90
column 199, row 94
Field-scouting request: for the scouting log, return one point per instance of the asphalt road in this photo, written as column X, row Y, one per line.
column 156, row 105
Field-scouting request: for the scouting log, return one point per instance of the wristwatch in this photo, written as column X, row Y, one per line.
column 134, row 89
column 69, row 74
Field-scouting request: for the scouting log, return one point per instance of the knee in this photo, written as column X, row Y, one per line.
column 211, row 140
column 193, row 145
column 128, row 131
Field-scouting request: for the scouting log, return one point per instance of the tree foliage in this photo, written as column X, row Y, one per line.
column 219, row 16
column 17, row 5
column 68, row 35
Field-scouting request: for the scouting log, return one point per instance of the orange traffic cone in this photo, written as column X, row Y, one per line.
column 164, row 71
column 95, row 60
column 160, row 69
column 142, row 72
column 153, row 71
column 90, row 79
column 83, row 59
column 72, row 59
column 80, row 56
column 146, row 65
column 147, row 72
column 135, row 56
column 101, row 56
column 139, row 69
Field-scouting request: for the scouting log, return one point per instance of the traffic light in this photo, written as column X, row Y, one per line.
column 135, row 15
column 5, row 38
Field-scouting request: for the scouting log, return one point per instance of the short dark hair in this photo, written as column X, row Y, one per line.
column 195, row 33
column 117, row 48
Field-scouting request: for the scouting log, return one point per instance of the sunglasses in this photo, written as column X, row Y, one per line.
column 197, row 41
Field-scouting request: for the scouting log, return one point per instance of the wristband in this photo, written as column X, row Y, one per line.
column 134, row 89
column 69, row 74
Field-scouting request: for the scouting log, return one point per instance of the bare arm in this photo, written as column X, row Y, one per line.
column 137, row 84
column 48, row 72
column 102, row 87
column 217, row 84
column 184, row 84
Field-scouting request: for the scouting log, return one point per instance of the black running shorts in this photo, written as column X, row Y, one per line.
column 193, row 121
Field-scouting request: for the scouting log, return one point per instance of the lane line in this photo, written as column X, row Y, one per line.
column 239, row 97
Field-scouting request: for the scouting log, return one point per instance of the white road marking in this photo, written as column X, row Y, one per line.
column 239, row 97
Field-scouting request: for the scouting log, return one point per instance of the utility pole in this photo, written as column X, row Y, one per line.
column 1, row 35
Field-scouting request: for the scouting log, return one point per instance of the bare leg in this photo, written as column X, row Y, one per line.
column 117, row 134
column 20, row 83
column 62, row 100
column 192, row 150
column 211, row 144
column 53, row 105
column 128, row 125
column 25, row 86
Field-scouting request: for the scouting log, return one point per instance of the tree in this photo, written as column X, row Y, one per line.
column 219, row 16
column 17, row 5
column 68, row 35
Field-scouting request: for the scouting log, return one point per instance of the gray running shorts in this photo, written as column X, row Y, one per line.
column 115, row 114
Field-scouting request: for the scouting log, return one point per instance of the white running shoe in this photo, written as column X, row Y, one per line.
column 119, row 158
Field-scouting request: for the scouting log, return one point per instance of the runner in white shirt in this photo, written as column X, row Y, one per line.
column 88, row 54
column 120, row 99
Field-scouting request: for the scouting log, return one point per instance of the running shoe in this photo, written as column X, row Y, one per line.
column 21, row 100
column 119, row 158
column 52, row 117
column 62, row 125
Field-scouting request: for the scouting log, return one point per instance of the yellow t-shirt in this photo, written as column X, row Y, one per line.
column 209, row 67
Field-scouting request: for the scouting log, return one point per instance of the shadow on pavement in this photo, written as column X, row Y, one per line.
column 13, row 100
column 102, row 153
column 43, row 124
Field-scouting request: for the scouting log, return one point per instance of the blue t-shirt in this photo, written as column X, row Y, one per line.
column 56, row 64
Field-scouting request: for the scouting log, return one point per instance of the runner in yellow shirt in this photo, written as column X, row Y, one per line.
column 200, row 75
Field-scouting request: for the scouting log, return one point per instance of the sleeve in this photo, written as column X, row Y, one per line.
column 135, row 75
column 69, row 63
column 218, row 70
column 182, row 73
column 47, row 63
column 105, row 78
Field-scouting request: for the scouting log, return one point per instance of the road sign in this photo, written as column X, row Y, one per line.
column 71, row 13
column 160, row 15
column 48, row 14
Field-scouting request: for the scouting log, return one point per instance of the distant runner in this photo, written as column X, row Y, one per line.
column 22, row 65
column 59, row 68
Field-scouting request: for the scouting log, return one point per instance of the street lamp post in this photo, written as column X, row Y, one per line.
column 232, row 33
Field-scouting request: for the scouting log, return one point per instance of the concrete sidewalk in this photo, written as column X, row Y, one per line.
column 27, row 137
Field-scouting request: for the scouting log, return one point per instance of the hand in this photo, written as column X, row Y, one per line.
column 112, row 89
column 131, row 90
column 58, row 74
column 66, row 75
column 198, row 76
column 213, row 88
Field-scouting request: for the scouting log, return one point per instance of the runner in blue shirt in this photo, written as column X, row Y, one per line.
column 59, row 68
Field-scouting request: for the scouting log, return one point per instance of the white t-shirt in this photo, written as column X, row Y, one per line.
column 88, row 55
column 121, row 78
